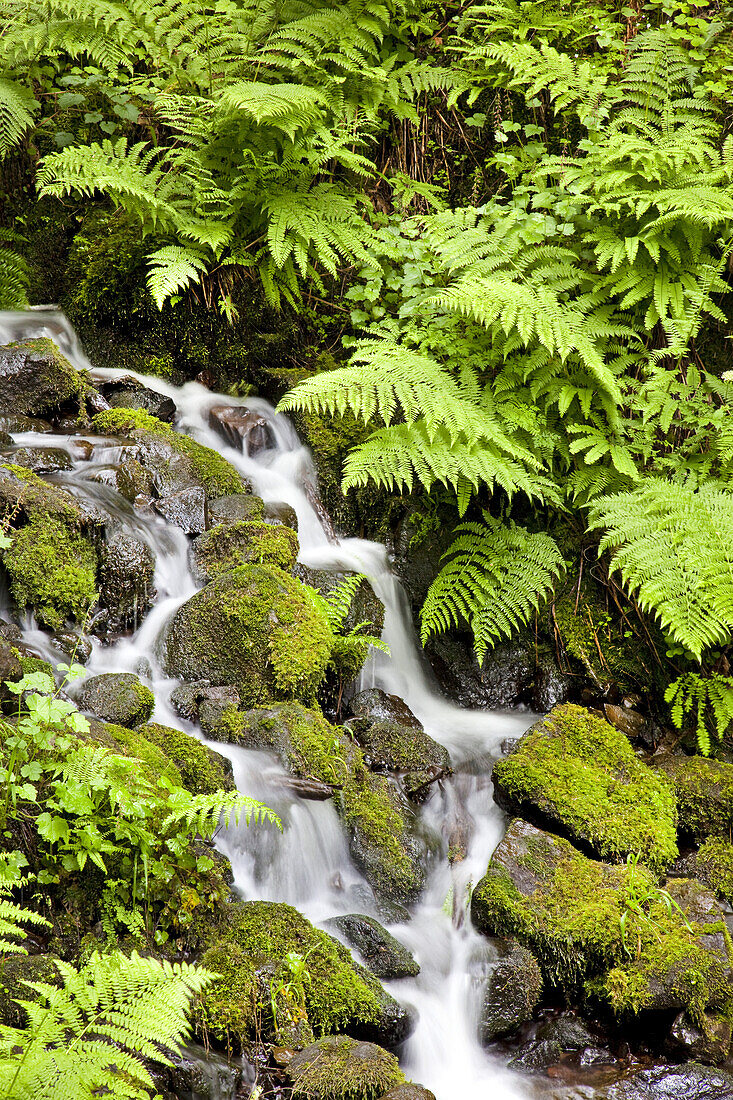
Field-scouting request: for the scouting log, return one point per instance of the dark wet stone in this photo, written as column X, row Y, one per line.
column 187, row 698
column 12, row 424
column 551, row 685
column 117, row 697
column 709, row 1043
column 243, row 428
column 629, row 721
column 185, row 509
column 126, row 577
column 384, row 955
column 391, row 912
column 73, row 645
column 365, row 606
column 132, row 480
column 504, row 679
column 536, row 1056
column 198, row 1074
column 310, row 789
column 687, row 1082
column 236, row 507
column 42, row 460
column 278, row 512
column 129, row 393
column 513, row 990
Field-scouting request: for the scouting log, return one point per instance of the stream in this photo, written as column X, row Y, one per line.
column 309, row 865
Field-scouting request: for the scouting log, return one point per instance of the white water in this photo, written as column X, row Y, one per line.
column 309, row 865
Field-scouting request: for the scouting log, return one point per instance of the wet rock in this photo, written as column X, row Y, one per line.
column 35, row 378
column 15, row 971
column 23, row 493
column 11, row 424
column 277, row 511
column 243, row 428
column 310, row 789
column 382, row 840
column 580, row 776
column 236, row 507
column 198, row 1074
column 187, row 699
column 384, row 955
column 126, row 574
column 10, row 669
column 391, row 912
column 708, row 1042
column 341, row 1068
column 129, row 393
column 688, row 1082
column 712, row 864
column 567, row 910
column 379, row 706
column 117, row 697
column 704, row 793
column 408, row 1092
column 42, row 460
column 226, row 546
column 629, row 721
column 74, row 646
column 551, row 685
column 340, row 995
column 255, row 628
column 132, row 480
column 366, row 607
column 513, row 990
column 504, row 678
column 185, row 509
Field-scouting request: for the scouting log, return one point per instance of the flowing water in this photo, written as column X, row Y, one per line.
column 309, row 864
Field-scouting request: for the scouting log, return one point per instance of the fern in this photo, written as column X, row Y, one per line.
column 673, row 547
column 16, row 113
column 13, row 273
column 204, row 812
column 708, row 698
column 494, row 578
column 13, row 917
column 89, row 1036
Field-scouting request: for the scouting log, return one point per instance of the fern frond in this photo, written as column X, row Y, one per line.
column 16, row 113
column 494, row 577
column 709, row 699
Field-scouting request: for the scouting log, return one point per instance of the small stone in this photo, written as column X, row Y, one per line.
column 187, row 698
column 185, row 509
column 243, row 428
column 117, row 697
column 408, row 1092
column 629, row 721
column 278, row 512
column 310, row 789
column 236, row 507
column 384, row 955
column 340, row 1068
column 73, row 645
column 709, row 1043
column 42, row 460
column 126, row 574
column 513, row 990
column 133, row 480
column 129, row 393
column 282, row 1056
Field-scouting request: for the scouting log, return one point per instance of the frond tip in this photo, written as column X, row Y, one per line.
column 494, row 578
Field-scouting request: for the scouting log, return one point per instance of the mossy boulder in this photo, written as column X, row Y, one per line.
column 202, row 770
column 255, row 628
column 250, row 957
column 384, row 955
column 224, row 547
column 578, row 775
column 53, row 570
column 236, row 508
column 341, row 1068
column 25, row 495
column 35, row 378
column 408, row 1091
column 117, row 697
column 155, row 763
column 176, row 461
column 379, row 818
column 581, row 920
column 704, row 793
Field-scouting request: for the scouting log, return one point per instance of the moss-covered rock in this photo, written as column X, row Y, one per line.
column 579, row 775
column 202, row 770
column 341, row 1068
column 379, row 818
column 236, row 508
column 117, row 697
column 156, row 441
column 134, row 743
column 713, row 865
column 52, row 569
column 608, row 927
column 704, row 792
column 35, row 378
column 251, row 959
column 224, row 547
column 15, row 971
column 255, row 628
column 25, row 495
column 384, row 955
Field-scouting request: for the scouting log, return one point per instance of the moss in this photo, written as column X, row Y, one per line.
column 201, row 770
column 258, row 937
column 608, row 928
column 582, row 774
column 48, row 381
column 30, row 664
column 341, row 1068
column 22, row 491
column 52, row 570
column 216, row 474
column 255, row 628
column 157, row 763
column 715, row 866
column 226, row 546
column 704, row 792
column 381, row 841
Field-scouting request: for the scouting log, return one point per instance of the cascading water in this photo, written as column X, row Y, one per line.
column 309, row 865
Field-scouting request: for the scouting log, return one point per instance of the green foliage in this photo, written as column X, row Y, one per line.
column 53, row 570
column 91, row 1034
column 13, row 273
column 709, row 699
column 90, row 807
column 350, row 647
column 495, row 576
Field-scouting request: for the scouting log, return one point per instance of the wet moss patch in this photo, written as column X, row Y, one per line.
column 224, row 547
column 704, row 792
column 52, row 570
column 581, row 775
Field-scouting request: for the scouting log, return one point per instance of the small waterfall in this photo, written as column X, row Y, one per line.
column 309, row 865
